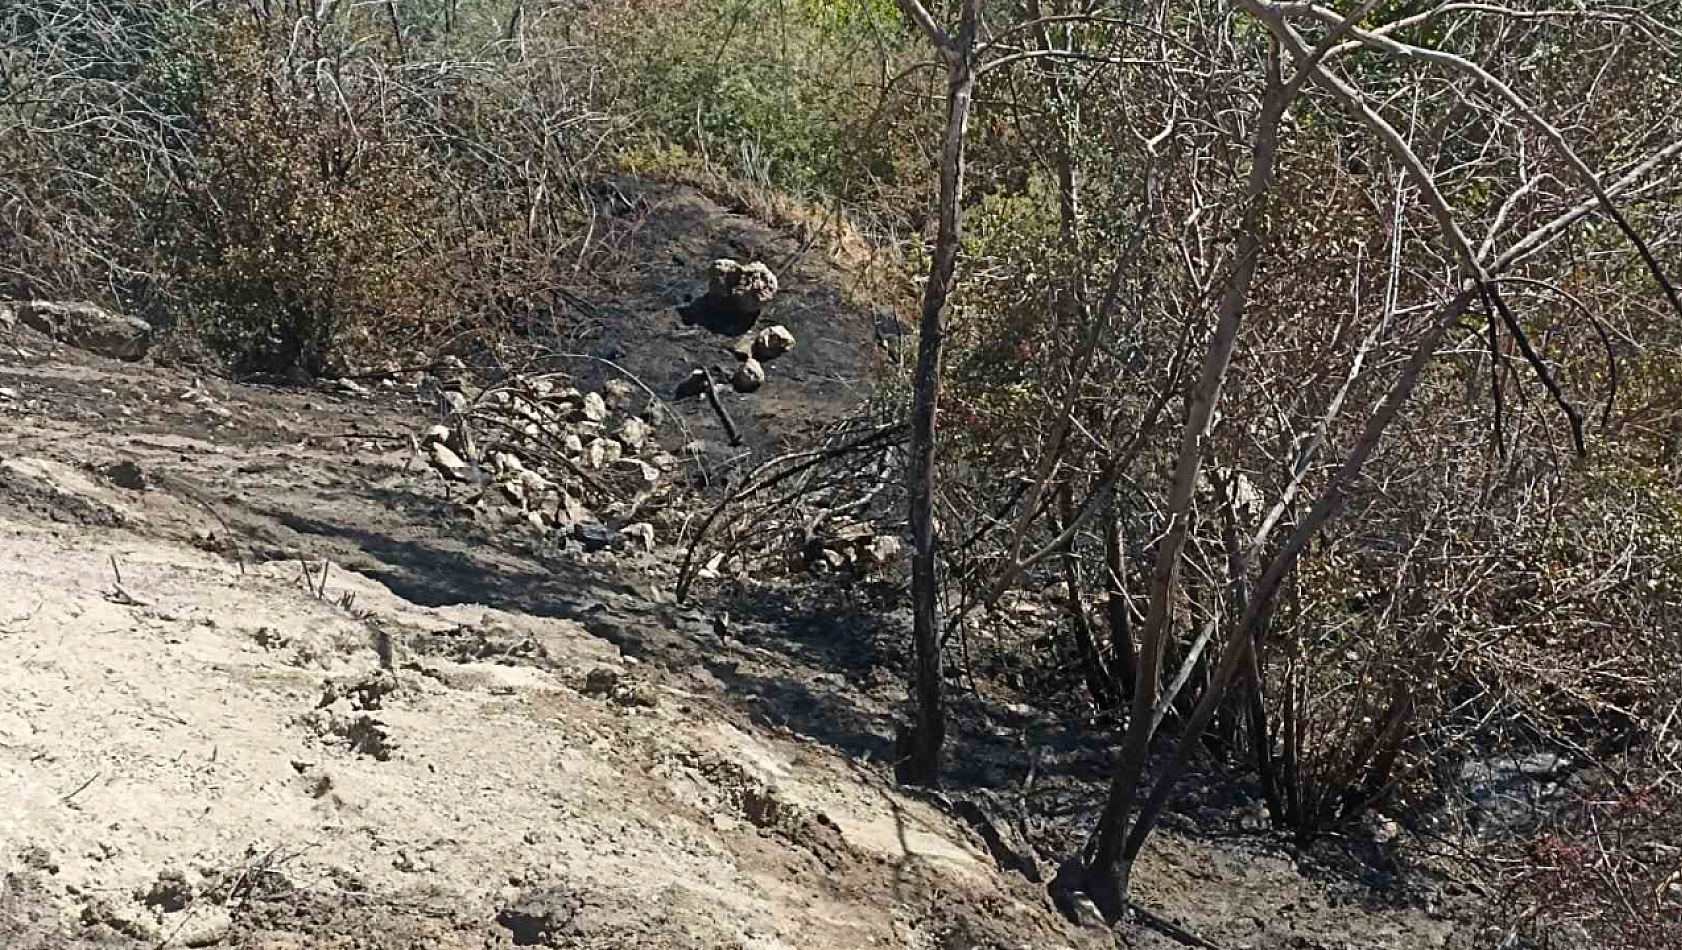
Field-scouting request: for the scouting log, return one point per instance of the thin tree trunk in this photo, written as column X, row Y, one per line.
column 1099, row 682
column 920, row 761
column 1124, row 661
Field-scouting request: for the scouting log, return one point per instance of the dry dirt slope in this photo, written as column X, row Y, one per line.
column 202, row 752
column 199, row 753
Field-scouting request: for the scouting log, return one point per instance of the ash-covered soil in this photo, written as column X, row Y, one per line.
column 269, row 685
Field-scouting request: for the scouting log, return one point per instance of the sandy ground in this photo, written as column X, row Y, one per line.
column 198, row 745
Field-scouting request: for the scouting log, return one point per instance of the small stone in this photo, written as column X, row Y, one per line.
column 37, row 858
column 534, row 484
column 350, row 387
column 170, row 893
column 594, row 407
column 830, row 560
column 539, row 919
column 883, row 549
column 448, row 462
column 515, row 491
column 87, row 327
column 8, row 393
column 772, row 342
column 571, row 444
column 567, row 510
column 749, row 377
column 455, row 401
column 618, row 390
column 642, row 533
column 601, row 681
column 436, row 434
column 736, row 294
column 637, row 694
column 602, row 452
column 595, row 536
column 633, row 433
column 634, row 474
column 694, row 385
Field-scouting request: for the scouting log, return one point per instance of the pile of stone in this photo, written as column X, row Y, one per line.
column 769, row 344
column 845, row 546
column 737, row 295
column 585, row 467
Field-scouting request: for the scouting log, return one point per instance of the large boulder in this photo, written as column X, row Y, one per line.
column 736, row 295
column 87, row 327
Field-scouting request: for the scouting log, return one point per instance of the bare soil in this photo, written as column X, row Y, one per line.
column 199, row 745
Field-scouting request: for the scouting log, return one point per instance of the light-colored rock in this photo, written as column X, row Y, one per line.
column 448, row 462
column 642, row 533
column 593, row 408
column 602, row 452
column 515, row 492
column 749, row 377
column 618, row 390
column 883, row 549
column 202, row 925
column 571, row 444
column 566, row 510
column 536, row 485
column 745, row 289
column 87, row 327
column 455, row 401
column 772, row 342
column 634, row 433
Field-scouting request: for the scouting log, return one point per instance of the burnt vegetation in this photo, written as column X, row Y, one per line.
column 1290, row 399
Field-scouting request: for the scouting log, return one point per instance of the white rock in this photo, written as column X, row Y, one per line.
column 618, row 390
column 448, row 462
column 634, row 433
column 602, row 452
column 642, row 532
column 457, row 402
column 594, row 407
column 772, row 342
column 883, row 549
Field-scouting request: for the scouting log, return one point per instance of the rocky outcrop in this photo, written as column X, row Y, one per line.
column 86, row 327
